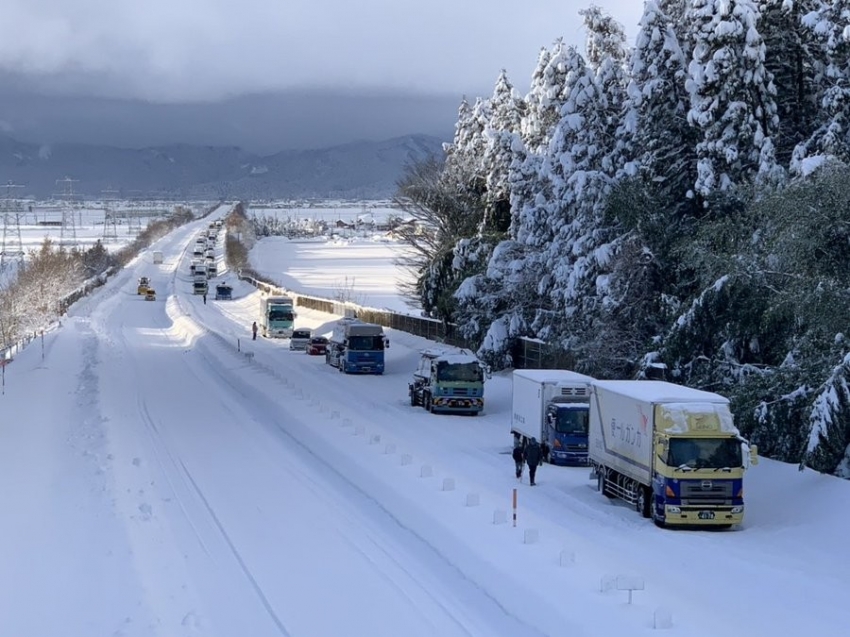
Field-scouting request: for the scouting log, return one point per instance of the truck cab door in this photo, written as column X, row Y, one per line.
column 550, row 429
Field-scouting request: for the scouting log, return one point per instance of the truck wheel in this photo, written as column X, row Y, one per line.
column 643, row 502
column 413, row 400
column 426, row 402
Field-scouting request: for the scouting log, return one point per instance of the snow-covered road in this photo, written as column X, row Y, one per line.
column 161, row 474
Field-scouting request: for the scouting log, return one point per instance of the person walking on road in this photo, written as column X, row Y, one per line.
column 205, row 298
column 533, row 454
column 519, row 460
column 254, row 331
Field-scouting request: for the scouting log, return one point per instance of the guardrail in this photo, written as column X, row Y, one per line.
column 429, row 328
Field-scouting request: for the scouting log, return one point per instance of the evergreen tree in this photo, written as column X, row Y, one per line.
column 791, row 59
column 663, row 140
column 828, row 25
column 732, row 95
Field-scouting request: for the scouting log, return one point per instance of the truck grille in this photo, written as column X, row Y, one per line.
column 706, row 492
column 459, row 391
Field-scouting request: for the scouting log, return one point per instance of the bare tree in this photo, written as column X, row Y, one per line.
column 439, row 214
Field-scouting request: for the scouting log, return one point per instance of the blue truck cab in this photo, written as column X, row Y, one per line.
column 356, row 347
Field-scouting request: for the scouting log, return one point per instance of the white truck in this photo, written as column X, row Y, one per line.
column 277, row 316
column 670, row 451
column 157, row 257
column 552, row 406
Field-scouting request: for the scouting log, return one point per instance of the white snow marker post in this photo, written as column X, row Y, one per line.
column 514, row 507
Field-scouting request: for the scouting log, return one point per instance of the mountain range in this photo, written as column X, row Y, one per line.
column 362, row 170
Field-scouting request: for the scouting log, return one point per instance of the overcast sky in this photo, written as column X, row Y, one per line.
column 194, row 53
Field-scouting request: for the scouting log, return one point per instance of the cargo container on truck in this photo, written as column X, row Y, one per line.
column 552, row 406
column 670, row 451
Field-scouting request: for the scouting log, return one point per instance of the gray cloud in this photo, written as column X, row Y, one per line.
column 260, row 123
column 266, row 75
column 206, row 50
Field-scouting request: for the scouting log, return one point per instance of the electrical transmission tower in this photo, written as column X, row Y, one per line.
column 110, row 222
column 68, row 231
column 12, row 246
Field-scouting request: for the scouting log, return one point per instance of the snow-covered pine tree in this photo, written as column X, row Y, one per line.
column 545, row 98
column 583, row 161
column 663, row 141
column 791, row 58
column 507, row 109
column 830, row 26
column 731, row 95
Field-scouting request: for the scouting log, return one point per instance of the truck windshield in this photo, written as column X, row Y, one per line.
column 283, row 313
column 704, row 453
column 468, row 372
column 366, row 343
column 571, row 421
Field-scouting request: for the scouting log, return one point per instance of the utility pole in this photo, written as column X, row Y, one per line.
column 68, row 231
column 110, row 223
column 12, row 245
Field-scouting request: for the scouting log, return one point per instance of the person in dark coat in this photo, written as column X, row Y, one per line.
column 519, row 460
column 254, row 330
column 533, row 454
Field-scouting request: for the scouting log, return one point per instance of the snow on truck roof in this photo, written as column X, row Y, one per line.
column 683, row 417
column 659, row 391
column 552, row 375
column 454, row 358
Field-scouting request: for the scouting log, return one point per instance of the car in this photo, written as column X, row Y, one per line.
column 300, row 339
column 150, row 295
column 223, row 292
column 318, row 346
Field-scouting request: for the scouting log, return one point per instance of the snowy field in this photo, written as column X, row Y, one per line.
column 44, row 221
column 330, row 212
column 359, row 268
column 184, row 480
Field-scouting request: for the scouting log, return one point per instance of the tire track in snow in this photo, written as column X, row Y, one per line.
column 260, row 406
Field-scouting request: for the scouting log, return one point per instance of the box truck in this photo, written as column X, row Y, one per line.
column 277, row 316
column 552, row 406
column 670, row 451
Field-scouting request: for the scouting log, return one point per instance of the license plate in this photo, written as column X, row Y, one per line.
column 706, row 515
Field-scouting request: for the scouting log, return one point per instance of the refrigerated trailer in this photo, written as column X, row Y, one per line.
column 552, row 406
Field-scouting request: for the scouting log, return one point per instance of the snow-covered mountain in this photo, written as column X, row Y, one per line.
column 360, row 169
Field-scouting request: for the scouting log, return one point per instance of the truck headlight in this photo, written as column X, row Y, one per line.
column 673, row 509
column 738, row 509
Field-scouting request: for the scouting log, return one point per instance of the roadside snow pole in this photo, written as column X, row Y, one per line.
column 42, row 346
column 238, row 345
column 514, row 506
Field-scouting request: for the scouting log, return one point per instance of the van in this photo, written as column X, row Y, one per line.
column 300, row 339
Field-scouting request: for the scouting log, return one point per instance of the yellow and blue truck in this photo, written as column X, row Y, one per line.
column 670, row 451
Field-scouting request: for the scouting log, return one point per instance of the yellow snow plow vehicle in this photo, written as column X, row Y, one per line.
column 144, row 283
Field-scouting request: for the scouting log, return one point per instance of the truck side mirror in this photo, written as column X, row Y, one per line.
column 754, row 455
